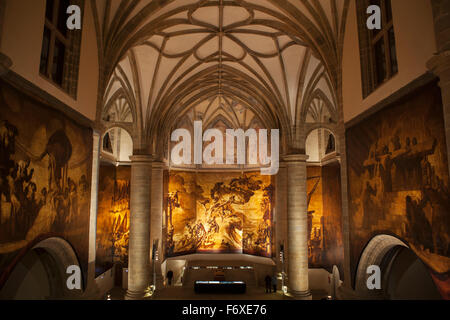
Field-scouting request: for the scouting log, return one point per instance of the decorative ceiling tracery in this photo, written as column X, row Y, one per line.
column 277, row 59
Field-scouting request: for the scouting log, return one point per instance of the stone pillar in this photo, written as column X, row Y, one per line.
column 156, row 218
column 93, row 208
column 298, row 282
column 342, row 151
column 281, row 215
column 440, row 63
column 139, row 242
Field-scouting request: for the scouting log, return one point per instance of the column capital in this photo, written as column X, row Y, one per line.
column 295, row 158
column 158, row 165
column 5, row 64
column 141, row 158
column 282, row 164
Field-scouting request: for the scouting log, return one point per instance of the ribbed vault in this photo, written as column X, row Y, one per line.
column 279, row 60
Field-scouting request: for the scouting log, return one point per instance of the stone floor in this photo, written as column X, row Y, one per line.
column 183, row 293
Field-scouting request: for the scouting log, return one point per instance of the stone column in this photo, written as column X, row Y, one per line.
column 342, row 151
column 93, row 209
column 440, row 63
column 298, row 282
column 156, row 218
column 281, row 215
column 139, row 243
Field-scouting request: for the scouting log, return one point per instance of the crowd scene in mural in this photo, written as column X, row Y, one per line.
column 399, row 180
column 44, row 166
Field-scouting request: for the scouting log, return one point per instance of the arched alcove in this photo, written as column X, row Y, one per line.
column 403, row 274
column 41, row 273
column 320, row 144
column 373, row 254
column 118, row 144
column 406, row 277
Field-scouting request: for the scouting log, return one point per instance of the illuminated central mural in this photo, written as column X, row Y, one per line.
column 219, row 213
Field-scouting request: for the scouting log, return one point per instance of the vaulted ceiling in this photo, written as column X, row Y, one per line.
column 277, row 59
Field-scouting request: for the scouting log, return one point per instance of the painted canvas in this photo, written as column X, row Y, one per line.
column 219, row 212
column 45, row 170
column 325, row 243
column 399, row 180
column 113, row 217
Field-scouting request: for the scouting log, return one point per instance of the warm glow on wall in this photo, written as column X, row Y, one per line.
column 219, row 212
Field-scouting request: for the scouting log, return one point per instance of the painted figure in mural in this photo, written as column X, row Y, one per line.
column 369, row 204
column 440, row 198
column 119, row 220
column 25, row 211
column 8, row 134
column 173, row 202
column 403, row 170
column 19, row 203
column 314, row 238
column 59, row 151
column 419, row 228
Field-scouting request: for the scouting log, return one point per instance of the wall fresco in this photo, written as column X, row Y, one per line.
column 399, row 181
column 219, row 212
column 113, row 217
column 45, row 170
column 325, row 244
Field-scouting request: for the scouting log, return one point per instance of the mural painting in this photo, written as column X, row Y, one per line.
column 113, row 217
column 325, row 244
column 219, row 213
column 399, row 180
column 45, row 170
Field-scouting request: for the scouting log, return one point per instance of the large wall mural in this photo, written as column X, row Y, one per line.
column 399, row 180
column 325, row 244
column 219, row 213
column 113, row 217
column 45, row 170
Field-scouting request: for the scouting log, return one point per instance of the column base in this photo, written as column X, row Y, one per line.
column 138, row 295
column 300, row 295
column 159, row 281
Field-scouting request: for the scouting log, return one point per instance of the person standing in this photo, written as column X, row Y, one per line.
column 169, row 277
column 274, row 283
column 267, row 279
